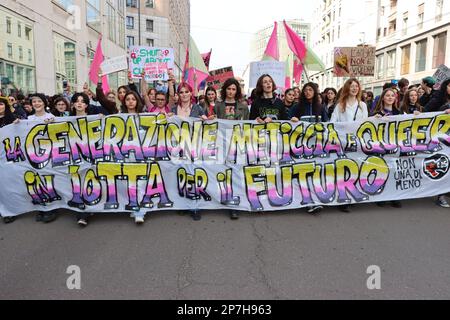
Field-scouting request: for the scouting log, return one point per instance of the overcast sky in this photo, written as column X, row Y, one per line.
column 228, row 26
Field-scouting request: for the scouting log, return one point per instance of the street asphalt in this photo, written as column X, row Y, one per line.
column 287, row 255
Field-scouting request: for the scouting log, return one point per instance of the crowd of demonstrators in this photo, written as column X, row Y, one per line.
column 348, row 104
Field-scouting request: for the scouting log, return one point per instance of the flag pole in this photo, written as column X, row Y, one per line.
column 305, row 71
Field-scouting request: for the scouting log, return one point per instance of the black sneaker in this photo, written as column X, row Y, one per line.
column 39, row 217
column 196, row 215
column 314, row 210
column 381, row 204
column 345, row 208
column 396, row 204
column 234, row 215
column 7, row 220
column 49, row 217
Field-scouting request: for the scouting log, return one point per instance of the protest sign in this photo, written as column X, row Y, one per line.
column 442, row 74
column 156, row 62
column 149, row 162
column 354, row 61
column 218, row 77
column 276, row 69
column 114, row 65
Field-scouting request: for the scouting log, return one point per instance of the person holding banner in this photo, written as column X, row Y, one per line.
column 187, row 109
column 230, row 108
column 330, row 101
column 410, row 104
column 132, row 103
column 161, row 104
column 7, row 117
column 387, row 104
column 350, row 108
column 60, row 107
column 267, row 108
column 40, row 105
column 309, row 108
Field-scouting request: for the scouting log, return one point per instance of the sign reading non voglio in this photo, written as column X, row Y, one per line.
column 150, row 162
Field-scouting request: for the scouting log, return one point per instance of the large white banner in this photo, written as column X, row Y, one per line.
column 148, row 162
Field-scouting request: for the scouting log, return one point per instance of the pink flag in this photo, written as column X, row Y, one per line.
column 95, row 67
column 287, row 84
column 298, row 70
column 295, row 42
column 272, row 50
column 207, row 58
column 196, row 76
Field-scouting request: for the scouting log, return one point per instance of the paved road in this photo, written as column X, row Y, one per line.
column 287, row 255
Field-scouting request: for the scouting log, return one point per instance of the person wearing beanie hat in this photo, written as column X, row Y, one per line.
column 427, row 85
column 40, row 104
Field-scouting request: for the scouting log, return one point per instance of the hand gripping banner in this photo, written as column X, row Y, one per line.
column 127, row 163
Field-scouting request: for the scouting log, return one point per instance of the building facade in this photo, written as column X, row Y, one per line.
column 160, row 23
column 61, row 38
column 412, row 37
column 340, row 23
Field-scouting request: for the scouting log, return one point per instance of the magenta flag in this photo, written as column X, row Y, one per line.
column 295, row 42
column 272, row 50
column 194, row 73
column 298, row 70
column 95, row 67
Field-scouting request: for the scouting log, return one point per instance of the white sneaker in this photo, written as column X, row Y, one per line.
column 314, row 210
column 82, row 222
column 441, row 201
column 139, row 220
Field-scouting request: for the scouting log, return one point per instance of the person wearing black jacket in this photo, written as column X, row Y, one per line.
column 309, row 108
column 7, row 117
column 440, row 98
column 267, row 108
column 427, row 85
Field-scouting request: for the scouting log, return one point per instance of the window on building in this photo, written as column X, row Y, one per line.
column 439, row 9
column 150, row 42
column 421, row 55
column 440, row 47
column 405, row 24
column 65, row 3
column 20, row 53
column 421, row 14
column 65, row 61
column 150, row 3
column 380, row 66
column 130, row 41
column 391, row 62
column 111, row 14
column 8, row 25
column 30, row 56
column 19, row 30
column 392, row 27
column 93, row 16
column 122, row 30
column 20, row 77
column 10, row 72
column 130, row 22
column 149, row 25
column 10, row 50
column 28, row 31
column 132, row 3
column 406, row 53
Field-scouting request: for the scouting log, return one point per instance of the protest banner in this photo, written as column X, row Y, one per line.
column 218, row 77
column 114, row 65
column 276, row 69
column 150, row 162
column 442, row 74
column 156, row 62
column 354, row 61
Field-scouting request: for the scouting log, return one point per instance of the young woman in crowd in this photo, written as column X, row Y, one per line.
column 297, row 93
column 387, row 104
column 186, row 108
column 369, row 100
column 132, row 103
column 350, row 108
column 160, row 104
column 330, row 101
column 109, row 101
column 232, row 107
column 40, row 104
column 309, row 109
column 266, row 107
column 210, row 102
column 289, row 99
column 410, row 103
column 60, row 107
column 7, row 117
